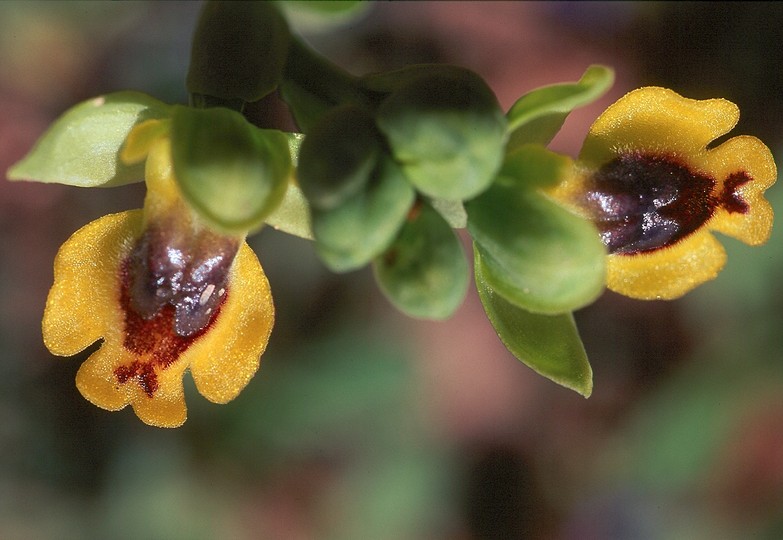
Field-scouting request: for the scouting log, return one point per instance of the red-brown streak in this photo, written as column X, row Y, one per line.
column 154, row 338
column 730, row 199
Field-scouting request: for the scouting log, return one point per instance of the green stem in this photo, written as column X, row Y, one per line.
column 319, row 77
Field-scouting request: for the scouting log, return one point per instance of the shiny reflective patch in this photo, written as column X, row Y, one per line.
column 644, row 202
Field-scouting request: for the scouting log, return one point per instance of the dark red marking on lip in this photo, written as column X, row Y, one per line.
column 644, row 202
column 730, row 199
column 153, row 340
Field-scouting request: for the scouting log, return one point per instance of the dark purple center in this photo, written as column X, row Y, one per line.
column 173, row 285
column 643, row 202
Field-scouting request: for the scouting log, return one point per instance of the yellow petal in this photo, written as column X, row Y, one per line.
column 667, row 273
column 657, row 120
column 141, row 137
column 743, row 154
column 163, row 195
column 82, row 301
column 226, row 357
column 165, row 409
column 97, row 382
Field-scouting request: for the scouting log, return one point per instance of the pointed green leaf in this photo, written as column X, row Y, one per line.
column 537, row 254
column 231, row 172
column 362, row 227
column 82, row 147
column 549, row 344
column 424, row 272
column 292, row 215
column 447, row 131
column 452, row 211
column 537, row 116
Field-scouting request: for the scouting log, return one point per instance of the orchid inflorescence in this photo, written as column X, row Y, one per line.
column 385, row 168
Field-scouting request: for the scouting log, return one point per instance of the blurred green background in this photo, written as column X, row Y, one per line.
column 363, row 424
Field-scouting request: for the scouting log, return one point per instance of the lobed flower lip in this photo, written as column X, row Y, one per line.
column 142, row 360
column 656, row 125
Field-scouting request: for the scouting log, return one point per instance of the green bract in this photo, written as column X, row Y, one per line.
column 424, row 272
column 536, row 254
column 549, row 344
column 232, row 173
column 239, row 50
column 537, row 116
column 446, row 130
column 292, row 215
column 338, row 156
column 362, row 227
column 82, row 147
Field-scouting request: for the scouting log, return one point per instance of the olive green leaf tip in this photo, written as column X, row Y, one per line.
column 82, row 147
column 452, row 211
column 424, row 272
column 548, row 344
column 231, row 172
column 292, row 215
column 538, row 115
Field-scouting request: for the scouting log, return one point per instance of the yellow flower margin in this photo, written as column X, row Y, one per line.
column 658, row 121
column 84, row 306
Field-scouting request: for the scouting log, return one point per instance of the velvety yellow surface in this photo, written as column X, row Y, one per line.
column 659, row 121
column 84, row 306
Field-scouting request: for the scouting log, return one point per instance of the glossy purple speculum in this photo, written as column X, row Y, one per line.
column 643, row 202
column 175, row 266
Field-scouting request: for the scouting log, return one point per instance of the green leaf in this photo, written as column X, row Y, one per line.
column 82, row 147
column 239, row 51
column 424, row 272
column 447, row 131
column 338, row 156
column 452, row 211
column 548, row 344
column 362, row 227
column 537, row 116
column 292, row 215
column 232, row 173
column 537, row 254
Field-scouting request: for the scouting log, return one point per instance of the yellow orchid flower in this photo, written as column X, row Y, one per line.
column 648, row 179
column 165, row 293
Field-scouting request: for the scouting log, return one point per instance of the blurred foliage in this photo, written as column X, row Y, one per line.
column 337, row 436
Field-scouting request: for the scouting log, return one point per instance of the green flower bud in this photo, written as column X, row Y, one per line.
column 338, row 156
column 238, row 53
column 424, row 272
column 231, row 172
column 447, row 131
column 362, row 227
